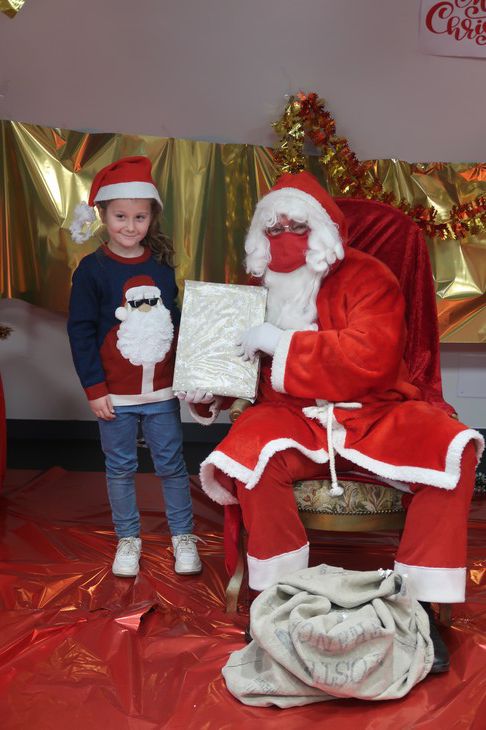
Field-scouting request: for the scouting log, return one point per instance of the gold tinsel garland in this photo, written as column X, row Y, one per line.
column 306, row 115
column 11, row 7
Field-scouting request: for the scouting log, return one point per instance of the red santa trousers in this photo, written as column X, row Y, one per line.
column 432, row 550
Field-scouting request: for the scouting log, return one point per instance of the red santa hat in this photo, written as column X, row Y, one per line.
column 129, row 177
column 302, row 198
column 138, row 287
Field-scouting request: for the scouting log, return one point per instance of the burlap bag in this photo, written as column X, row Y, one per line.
column 326, row 632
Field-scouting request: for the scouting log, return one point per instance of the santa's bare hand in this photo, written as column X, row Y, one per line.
column 263, row 338
column 195, row 396
column 103, row 408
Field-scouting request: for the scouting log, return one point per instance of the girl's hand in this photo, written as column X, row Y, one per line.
column 103, row 408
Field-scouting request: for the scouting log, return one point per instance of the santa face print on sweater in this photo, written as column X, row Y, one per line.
column 146, row 331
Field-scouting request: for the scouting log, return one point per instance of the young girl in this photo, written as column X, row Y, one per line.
column 122, row 316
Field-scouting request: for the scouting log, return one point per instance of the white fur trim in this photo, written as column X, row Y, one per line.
column 279, row 361
column 446, row 479
column 280, row 200
column 444, row 585
column 265, row 573
column 210, row 485
column 138, row 398
column 121, row 313
column 142, row 292
column 83, row 215
column 408, row 474
column 250, row 478
column 204, row 420
column 128, row 190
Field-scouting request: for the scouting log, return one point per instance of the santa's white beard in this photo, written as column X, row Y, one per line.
column 144, row 338
column 291, row 303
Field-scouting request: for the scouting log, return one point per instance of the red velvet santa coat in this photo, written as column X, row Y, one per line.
column 354, row 361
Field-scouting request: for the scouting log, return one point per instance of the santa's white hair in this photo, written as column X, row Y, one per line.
column 144, row 338
column 324, row 244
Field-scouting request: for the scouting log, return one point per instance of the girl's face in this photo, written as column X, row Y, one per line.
column 127, row 222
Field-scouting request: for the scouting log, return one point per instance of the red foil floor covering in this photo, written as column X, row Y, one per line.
column 81, row 649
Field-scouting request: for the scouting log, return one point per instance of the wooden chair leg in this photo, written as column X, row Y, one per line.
column 445, row 614
column 234, row 585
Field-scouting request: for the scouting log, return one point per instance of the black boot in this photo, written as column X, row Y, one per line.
column 441, row 653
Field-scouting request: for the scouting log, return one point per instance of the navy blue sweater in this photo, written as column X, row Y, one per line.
column 97, row 291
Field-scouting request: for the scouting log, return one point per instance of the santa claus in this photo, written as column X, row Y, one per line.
column 335, row 393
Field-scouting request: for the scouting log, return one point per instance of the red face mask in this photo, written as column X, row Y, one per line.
column 288, row 252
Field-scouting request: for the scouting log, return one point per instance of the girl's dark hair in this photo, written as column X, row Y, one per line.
column 160, row 245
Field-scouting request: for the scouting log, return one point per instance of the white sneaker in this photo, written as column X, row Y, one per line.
column 127, row 557
column 186, row 556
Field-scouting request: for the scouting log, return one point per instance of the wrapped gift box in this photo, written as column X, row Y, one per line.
column 212, row 317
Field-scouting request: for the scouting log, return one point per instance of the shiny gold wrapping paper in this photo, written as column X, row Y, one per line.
column 459, row 266
column 11, row 7
column 212, row 317
column 210, row 191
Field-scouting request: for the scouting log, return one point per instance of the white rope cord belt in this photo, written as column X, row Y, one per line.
column 324, row 412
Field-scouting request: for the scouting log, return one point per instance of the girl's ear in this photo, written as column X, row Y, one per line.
column 101, row 213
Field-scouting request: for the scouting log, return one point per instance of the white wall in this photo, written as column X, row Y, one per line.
column 40, row 382
column 219, row 69
column 464, row 381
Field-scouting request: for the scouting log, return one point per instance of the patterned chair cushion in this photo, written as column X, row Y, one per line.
column 359, row 498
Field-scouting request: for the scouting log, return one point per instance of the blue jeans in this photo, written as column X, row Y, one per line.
column 162, row 431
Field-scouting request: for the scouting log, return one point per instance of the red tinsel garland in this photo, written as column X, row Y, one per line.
column 306, row 115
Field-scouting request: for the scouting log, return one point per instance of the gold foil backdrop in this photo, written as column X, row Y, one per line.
column 11, row 7
column 209, row 191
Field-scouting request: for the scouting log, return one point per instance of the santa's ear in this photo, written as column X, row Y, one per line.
column 121, row 313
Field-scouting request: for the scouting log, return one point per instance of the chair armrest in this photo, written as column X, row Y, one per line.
column 237, row 407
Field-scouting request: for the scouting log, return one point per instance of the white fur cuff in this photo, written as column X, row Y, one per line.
column 280, row 361
column 442, row 585
column 265, row 573
column 214, row 409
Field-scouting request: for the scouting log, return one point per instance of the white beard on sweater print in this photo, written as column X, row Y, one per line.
column 144, row 338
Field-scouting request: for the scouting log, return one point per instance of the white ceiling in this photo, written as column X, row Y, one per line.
column 219, row 70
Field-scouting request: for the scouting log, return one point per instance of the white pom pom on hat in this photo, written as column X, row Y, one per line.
column 121, row 313
column 128, row 177
column 83, row 215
